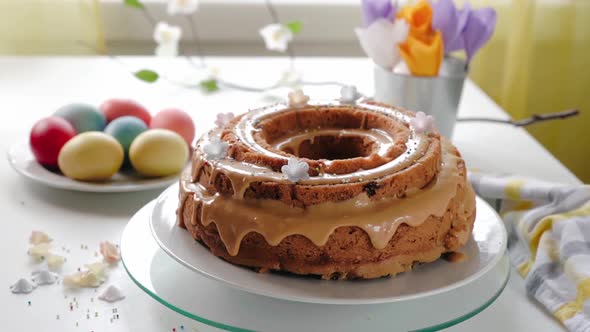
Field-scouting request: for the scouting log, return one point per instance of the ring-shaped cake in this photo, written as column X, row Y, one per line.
column 334, row 189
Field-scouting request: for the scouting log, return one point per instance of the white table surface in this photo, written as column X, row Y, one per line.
column 31, row 88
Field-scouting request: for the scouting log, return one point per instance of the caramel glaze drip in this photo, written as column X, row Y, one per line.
column 235, row 216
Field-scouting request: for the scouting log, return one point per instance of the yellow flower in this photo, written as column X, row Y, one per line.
column 423, row 50
column 419, row 17
column 423, row 55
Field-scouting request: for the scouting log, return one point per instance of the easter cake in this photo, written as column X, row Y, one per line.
column 342, row 190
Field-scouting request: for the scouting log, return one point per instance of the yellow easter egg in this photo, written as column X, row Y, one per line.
column 91, row 156
column 158, row 152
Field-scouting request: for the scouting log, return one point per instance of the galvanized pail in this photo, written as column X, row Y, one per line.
column 438, row 95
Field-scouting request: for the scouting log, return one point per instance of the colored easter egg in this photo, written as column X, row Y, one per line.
column 125, row 129
column 158, row 152
column 176, row 120
column 91, row 156
column 47, row 138
column 116, row 108
column 83, row 117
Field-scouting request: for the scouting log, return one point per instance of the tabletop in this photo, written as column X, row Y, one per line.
column 31, row 88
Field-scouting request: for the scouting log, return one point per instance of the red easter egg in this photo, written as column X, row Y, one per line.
column 176, row 120
column 47, row 138
column 116, row 108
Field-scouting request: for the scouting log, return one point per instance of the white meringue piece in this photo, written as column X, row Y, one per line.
column 112, row 294
column 44, row 277
column 23, row 286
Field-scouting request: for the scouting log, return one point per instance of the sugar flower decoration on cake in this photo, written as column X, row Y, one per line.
column 44, row 277
column 276, row 37
column 295, row 170
column 223, row 119
column 112, row 294
column 110, row 252
column 216, row 149
column 23, row 286
column 167, row 37
column 297, row 98
column 349, row 94
column 182, row 7
column 422, row 123
column 38, row 237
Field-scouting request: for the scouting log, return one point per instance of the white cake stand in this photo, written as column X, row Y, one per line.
column 217, row 304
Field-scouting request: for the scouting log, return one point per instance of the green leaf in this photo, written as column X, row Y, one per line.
column 209, row 85
column 294, row 26
column 147, row 75
column 134, row 3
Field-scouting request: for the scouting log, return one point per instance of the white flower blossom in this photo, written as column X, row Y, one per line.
column 182, row 7
column 276, row 37
column 295, row 170
column 167, row 37
column 380, row 41
column 223, row 119
column 349, row 94
column 216, row 149
column 23, row 286
column 297, row 98
column 422, row 123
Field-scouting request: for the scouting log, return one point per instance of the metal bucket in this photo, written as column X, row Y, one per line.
column 438, row 96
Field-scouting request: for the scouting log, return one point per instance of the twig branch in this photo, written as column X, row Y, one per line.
column 535, row 118
column 148, row 16
column 196, row 38
column 272, row 11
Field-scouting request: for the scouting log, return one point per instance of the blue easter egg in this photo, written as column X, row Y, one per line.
column 83, row 117
column 125, row 129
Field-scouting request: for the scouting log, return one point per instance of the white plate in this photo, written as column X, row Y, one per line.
column 214, row 303
column 22, row 160
column 483, row 251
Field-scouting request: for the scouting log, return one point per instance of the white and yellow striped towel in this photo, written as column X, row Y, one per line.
column 549, row 241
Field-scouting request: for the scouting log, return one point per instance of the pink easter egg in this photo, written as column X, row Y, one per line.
column 116, row 108
column 176, row 120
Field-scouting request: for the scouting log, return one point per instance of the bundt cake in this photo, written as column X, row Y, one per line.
column 342, row 190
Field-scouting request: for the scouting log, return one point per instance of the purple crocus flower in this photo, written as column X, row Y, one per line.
column 464, row 29
column 478, row 30
column 376, row 9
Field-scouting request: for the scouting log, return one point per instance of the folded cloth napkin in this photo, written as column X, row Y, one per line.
column 548, row 242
